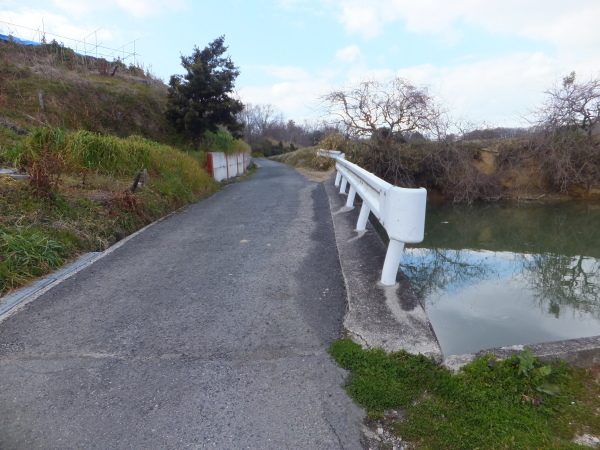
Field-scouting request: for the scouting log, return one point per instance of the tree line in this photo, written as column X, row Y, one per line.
column 202, row 101
column 562, row 143
column 396, row 129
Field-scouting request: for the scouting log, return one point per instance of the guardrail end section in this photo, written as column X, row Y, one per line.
column 404, row 214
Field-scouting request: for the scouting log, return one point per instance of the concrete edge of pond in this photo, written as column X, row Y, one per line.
column 578, row 353
column 390, row 317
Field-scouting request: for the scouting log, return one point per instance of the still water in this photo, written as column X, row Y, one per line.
column 500, row 275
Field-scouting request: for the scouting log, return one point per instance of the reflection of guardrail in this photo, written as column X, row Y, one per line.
column 400, row 211
column 223, row 166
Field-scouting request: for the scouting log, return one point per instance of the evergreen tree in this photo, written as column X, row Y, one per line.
column 200, row 100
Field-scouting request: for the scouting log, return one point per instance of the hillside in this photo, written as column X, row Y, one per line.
column 52, row 85
column 79, row 131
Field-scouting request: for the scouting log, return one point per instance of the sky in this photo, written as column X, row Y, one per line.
column 487, row 61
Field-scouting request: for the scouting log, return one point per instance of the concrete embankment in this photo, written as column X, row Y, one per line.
column 390, row 317
column 393, row 318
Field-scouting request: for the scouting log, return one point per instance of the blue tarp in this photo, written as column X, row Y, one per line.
column 16, row 40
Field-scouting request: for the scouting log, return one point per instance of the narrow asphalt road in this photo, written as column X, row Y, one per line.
column 207, row 330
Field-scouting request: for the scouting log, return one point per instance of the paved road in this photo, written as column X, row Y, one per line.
column 207, row 330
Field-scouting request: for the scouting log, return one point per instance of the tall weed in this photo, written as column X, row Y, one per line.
column 222, row 141
column 173, row 171
column 85, row 206
column 26, row 254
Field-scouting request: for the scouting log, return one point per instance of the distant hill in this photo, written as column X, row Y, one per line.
column 51, row 84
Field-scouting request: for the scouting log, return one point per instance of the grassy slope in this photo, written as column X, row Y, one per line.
column 50, row 85
column 305, row 157
column 77, row 198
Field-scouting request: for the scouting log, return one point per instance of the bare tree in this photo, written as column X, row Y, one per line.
column 572, row 105
column 395, row 105
column 264, row 122
column 381, row 117
column 567, row 151
column 562, row 282
column 257, row 120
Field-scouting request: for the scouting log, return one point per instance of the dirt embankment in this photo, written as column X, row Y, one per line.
column 52, row 85
column 526, row 181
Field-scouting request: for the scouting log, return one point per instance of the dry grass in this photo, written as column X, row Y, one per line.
column 42, row 85
column 306, row 158
column 315, row 175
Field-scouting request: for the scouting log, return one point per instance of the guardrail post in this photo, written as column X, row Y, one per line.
column 351, row 195
column 363, row 217
column 392, row 262
column 338, row 176
column 343, row 185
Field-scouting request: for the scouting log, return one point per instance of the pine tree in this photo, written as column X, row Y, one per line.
column 200, row 100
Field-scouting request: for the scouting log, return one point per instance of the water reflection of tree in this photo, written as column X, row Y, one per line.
column 435, row 270
column 558, row 281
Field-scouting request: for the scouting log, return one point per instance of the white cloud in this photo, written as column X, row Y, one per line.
column 570, row 26
column 285, row 72
column 28, row 21
column 289, row 4
column 296, row 99
column 360, row 73
column 80, row 7
column 137, row 8
column 144, row 8
column 348, row 54
column 359, row 17
column 499, row 91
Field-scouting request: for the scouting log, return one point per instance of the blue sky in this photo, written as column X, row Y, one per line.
column 487, row 61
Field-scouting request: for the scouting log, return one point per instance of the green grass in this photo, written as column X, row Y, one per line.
column 173, row 172
column 87, row 205
column 514, row 403
column 26, row 254
column 222, row 141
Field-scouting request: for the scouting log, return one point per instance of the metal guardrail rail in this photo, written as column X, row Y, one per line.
column 401, row 211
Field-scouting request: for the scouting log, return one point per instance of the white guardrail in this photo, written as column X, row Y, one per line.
column 400, row 211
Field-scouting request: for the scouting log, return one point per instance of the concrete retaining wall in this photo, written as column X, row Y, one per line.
column 223, row 166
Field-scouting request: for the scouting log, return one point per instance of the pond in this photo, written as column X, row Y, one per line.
column 507, row 274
